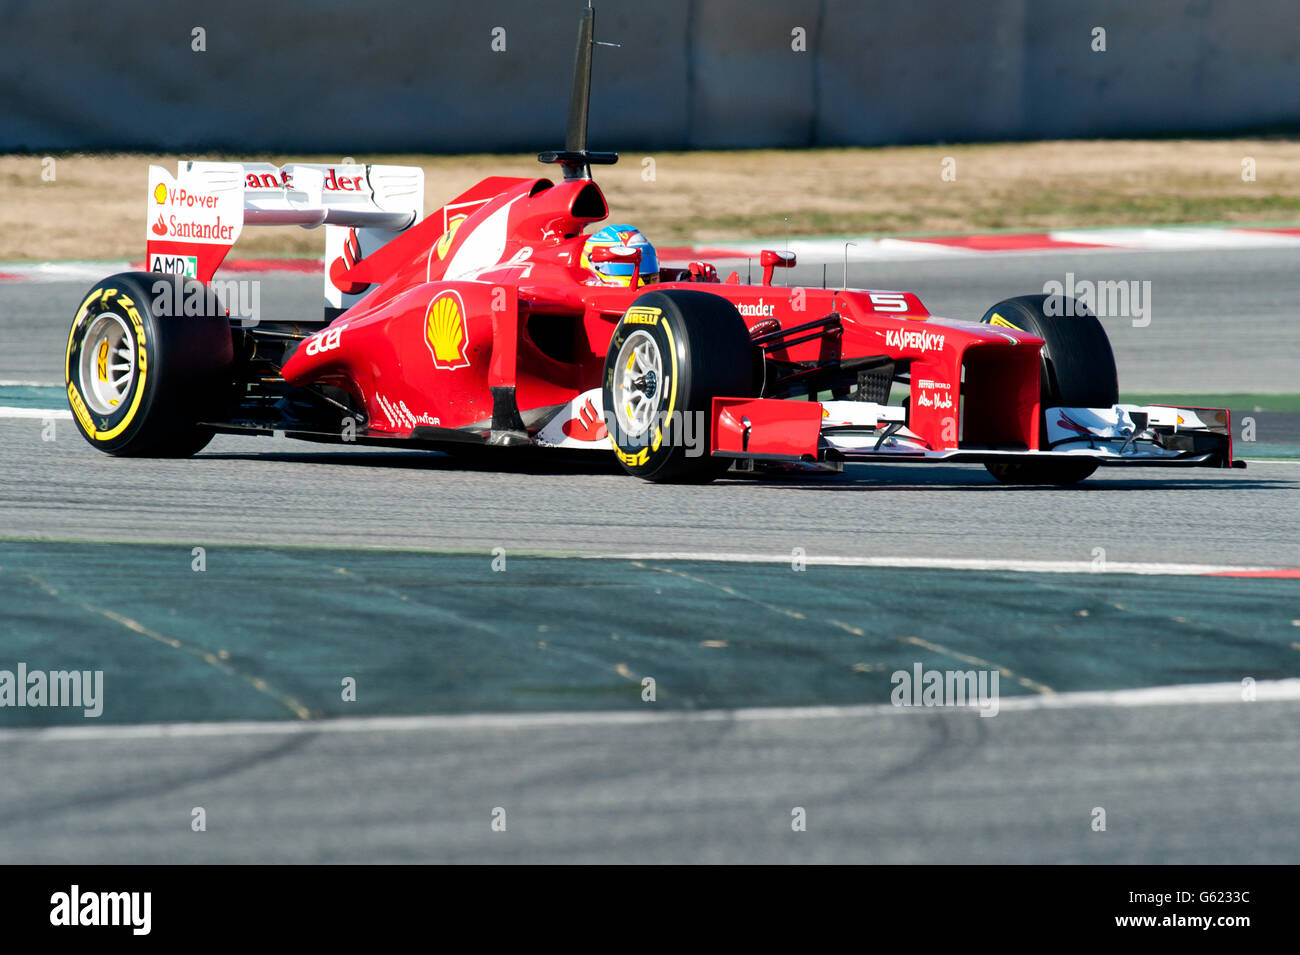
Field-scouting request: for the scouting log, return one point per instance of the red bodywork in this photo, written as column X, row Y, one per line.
column 487, row 292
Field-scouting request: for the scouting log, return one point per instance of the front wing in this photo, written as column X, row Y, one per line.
column 832, row 433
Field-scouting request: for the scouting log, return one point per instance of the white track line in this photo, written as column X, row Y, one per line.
column 77, row 271
column 947, row 563
column 1178, row 239
column 812, row 251
column 1266, row 691
column 35, row 413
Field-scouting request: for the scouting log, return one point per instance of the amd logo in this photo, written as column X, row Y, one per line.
column 175, row 264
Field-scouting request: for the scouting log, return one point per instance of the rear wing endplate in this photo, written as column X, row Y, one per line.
column 196, row 216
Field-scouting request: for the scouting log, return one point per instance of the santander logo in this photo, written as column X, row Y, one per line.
column 159, row 227
column 283, row 179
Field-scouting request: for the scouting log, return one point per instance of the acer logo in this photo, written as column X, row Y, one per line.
column 327, row 341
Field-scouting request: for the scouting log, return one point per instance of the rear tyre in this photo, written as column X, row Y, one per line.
column 149, row 357
column 1078, row 371
column 672, row 353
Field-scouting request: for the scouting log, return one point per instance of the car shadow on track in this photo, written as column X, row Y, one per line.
column 492, row 460
column 532, row 461
column 973, row 478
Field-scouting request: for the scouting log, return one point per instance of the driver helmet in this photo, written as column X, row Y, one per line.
column 620, row 273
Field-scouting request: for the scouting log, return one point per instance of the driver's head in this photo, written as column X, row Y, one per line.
column 620, row 273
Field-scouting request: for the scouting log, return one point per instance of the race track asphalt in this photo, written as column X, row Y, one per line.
column 1179, row 784
column 267, row 490
column 292, row 596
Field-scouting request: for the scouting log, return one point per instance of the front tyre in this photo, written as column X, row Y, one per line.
column 1078, row 371
column 149, row 357
column 672, row 353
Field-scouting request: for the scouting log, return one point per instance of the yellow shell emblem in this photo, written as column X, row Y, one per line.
column 445, row 332
column 444, row 243
column 160, row 193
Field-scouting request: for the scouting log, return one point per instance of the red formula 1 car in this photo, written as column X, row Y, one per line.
column 495, row 321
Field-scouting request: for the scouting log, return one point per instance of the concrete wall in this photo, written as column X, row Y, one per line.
column 381, row 75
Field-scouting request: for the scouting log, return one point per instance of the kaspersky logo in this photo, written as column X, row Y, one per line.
column 445, row 332
column 914, row 340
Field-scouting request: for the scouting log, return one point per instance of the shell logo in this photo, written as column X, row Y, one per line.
column 444, row 243
column 445, row 332
column 160, row 193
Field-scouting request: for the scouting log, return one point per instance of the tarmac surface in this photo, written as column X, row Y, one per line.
column 524, row 687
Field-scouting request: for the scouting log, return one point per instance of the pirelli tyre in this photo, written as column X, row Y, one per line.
column 1078, row 371
column 672, row 353
column 149, row 357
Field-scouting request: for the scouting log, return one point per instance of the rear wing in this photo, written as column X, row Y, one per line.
column 196, row 216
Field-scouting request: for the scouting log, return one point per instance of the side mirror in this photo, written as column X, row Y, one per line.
column 771, row 260
column 619, row 253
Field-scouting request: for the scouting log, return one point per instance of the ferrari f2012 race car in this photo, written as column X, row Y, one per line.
column 496, row 320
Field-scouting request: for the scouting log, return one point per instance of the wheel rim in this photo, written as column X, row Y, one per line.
column 108, row 363
column 638, row 384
